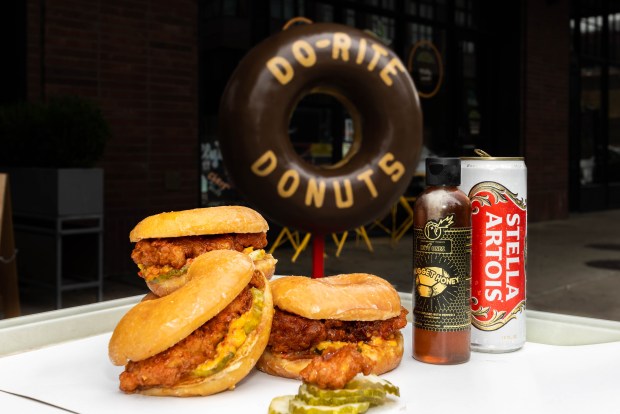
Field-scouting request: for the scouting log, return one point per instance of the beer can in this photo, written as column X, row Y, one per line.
column 497, row 188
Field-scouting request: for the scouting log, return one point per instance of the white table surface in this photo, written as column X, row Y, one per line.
column 60, row 358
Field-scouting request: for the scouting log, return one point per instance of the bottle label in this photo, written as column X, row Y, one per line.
column 442, row 272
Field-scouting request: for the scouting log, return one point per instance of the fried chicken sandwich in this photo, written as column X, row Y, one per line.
column 325, row 331
column 202, row 338
column 167, row 243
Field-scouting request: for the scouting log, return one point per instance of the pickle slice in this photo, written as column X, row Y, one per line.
column 373, row 382
column 353, row 398
column 342, row 393
column 358, row 396
column 211, row 367
column 339, row 397
column 279, row 405
column 258, row 300
column 299, row 407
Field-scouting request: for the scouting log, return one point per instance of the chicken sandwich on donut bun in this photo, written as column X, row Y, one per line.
column 167, row 243
column 202, row 338
column 325, row 331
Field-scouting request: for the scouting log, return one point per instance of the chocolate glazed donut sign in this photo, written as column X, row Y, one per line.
column 368, row 79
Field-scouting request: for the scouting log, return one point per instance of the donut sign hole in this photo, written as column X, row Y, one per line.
column 322, row 129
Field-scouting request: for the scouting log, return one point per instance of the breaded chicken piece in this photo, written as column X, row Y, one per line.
column 335, row 367
column 175, row 251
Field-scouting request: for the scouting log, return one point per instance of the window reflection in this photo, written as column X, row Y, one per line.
column 614, row 36
column 595, row 33
column 613, row 158
column 590, row 123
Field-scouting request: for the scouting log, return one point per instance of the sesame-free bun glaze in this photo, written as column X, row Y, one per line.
column 385, row 358
column 348, row 297
column 215, row 279
column 200, row 221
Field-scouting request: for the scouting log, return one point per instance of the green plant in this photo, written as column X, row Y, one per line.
column 64, row 132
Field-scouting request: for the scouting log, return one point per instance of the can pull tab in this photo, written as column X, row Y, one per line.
column 482, row 153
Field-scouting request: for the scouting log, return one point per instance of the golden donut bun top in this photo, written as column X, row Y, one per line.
column 214, row 280
column 199, row 221
column 348, row 297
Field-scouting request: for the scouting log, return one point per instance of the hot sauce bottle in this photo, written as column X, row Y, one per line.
column 442, row 266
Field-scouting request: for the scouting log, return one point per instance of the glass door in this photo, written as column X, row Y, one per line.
column 595, row 105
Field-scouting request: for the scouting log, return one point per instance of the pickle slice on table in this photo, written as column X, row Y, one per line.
column 311, row 394
column 312, row 400
column 372, row 382
column 299, row 407
column 280, row 405
column 358, row 395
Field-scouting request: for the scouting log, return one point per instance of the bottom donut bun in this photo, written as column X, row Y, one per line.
column 386, row 356
column 266, row 264
column 168, row 286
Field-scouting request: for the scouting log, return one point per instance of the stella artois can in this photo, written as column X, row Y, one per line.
column 497, row 188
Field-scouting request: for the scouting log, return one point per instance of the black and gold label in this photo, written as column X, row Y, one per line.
column 442, row 274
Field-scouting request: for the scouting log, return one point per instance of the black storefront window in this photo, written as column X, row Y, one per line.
column 613, row 157
column 595, row 105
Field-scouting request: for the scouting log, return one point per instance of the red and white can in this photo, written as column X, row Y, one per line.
column 497, row 188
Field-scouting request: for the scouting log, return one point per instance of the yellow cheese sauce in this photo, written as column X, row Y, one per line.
column 238, row 331
column 368, row 349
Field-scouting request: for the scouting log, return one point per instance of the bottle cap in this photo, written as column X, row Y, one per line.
column 443, row 171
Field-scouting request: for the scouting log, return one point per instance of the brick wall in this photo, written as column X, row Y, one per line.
column 546, row 107
column 138, row 59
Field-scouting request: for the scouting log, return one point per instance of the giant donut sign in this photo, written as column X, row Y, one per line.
column 374, row 86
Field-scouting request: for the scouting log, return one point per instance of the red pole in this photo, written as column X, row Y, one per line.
column 318, row 251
